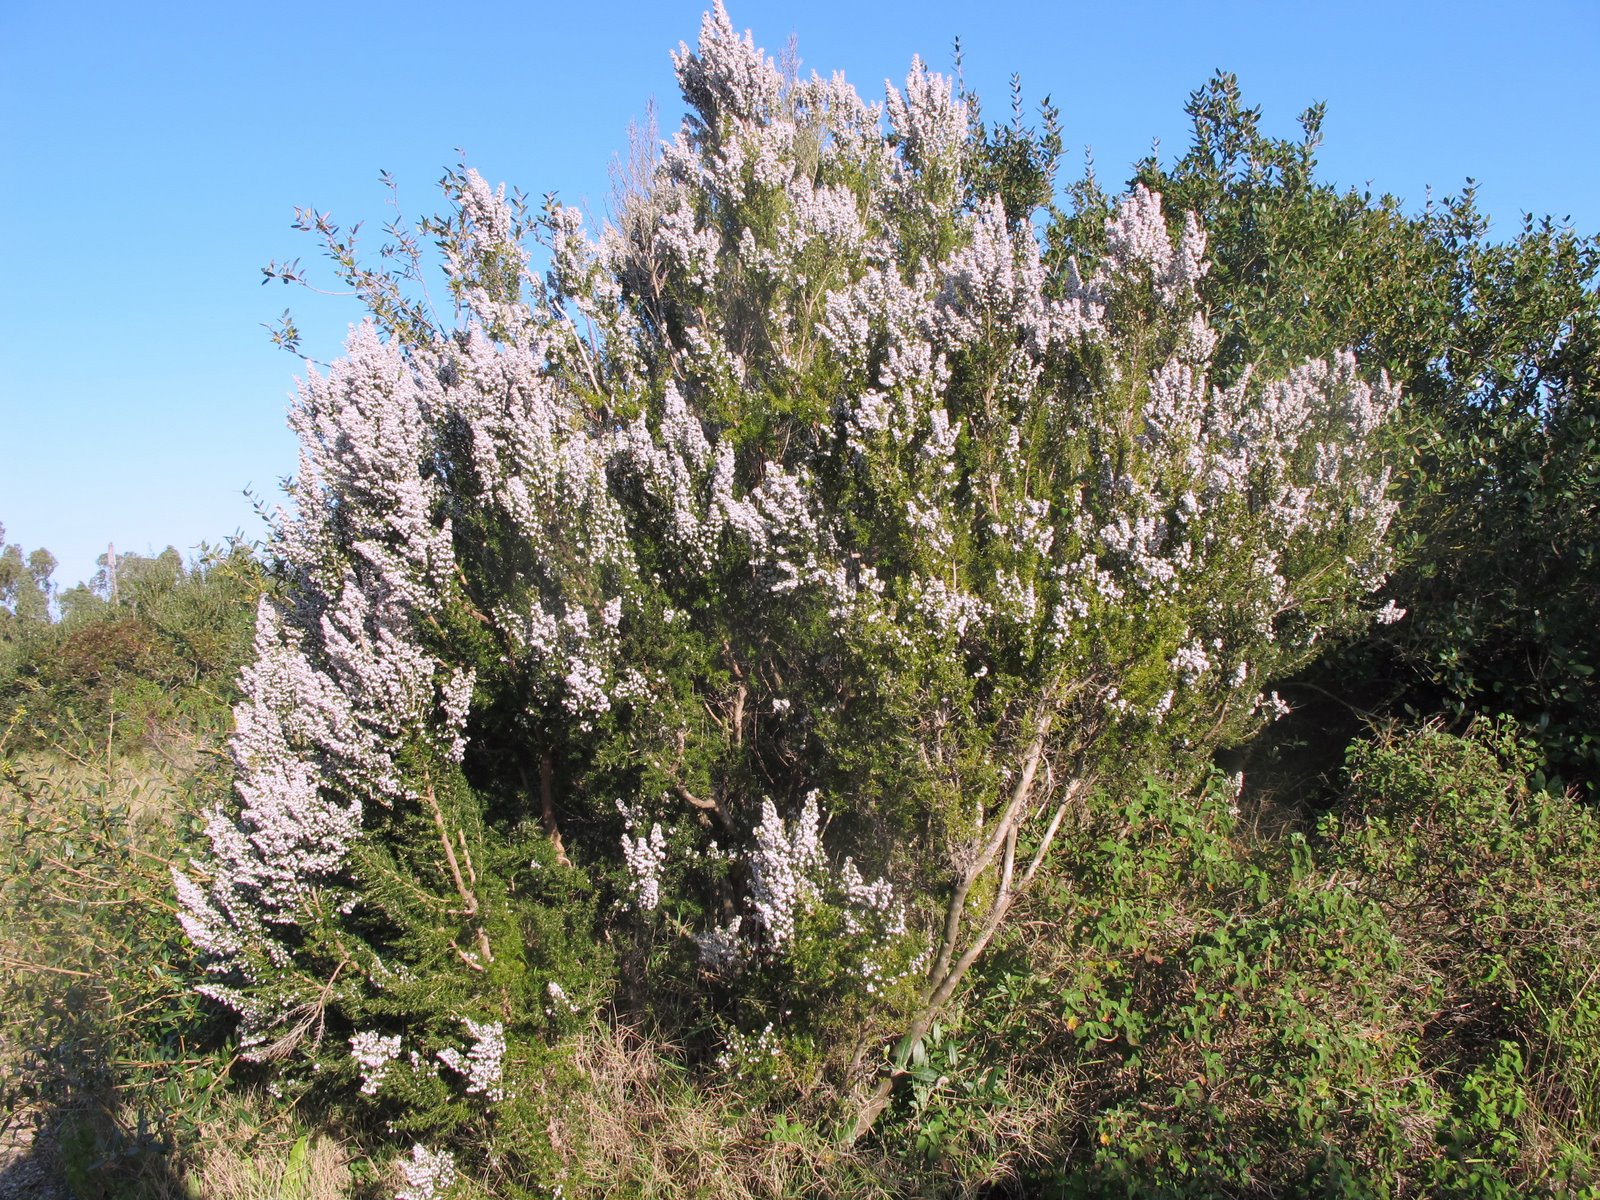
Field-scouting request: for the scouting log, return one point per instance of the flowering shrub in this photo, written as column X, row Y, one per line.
column 1495, row 340
column 800, row 529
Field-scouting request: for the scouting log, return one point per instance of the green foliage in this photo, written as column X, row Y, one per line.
column 24, row 586
column 111, row 719
column 24, row 603
column 1299, row 268
column 1503, row 588
column 157, row 664
column 1013, row 161
column 1495, row 343
column 1223, row 1021
column 100, row 1027
column 1498, row 888
column 1402, row 1004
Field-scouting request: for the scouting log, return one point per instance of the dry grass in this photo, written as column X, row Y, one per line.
column 638, row 1128
column 87, row 1154
column 269, row 1167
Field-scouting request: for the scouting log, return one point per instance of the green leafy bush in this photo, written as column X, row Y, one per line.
column 106, row 1045
column 1496, row 886
column 112, row 718
column 154, row 670
column 1403, row 1003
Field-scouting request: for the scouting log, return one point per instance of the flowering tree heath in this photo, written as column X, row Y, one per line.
column 725, row 620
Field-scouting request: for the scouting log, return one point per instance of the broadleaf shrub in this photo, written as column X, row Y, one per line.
column 112, row 718
column 1397, row 1003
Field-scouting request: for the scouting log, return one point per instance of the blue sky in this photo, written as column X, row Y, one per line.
column 153, row 155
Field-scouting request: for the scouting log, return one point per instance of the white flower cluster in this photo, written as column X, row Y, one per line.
column 930, row 127
column 560, row 1002
column 375, row 1054
column 429, row 1174
column 483, row 1065
column 1191, row 662
column 783, row 866
column 537, row 465
column 1389, row 614
column 339, row 682
column 862, row 897
column 1139, row 249
column 722, row 950
column 1233, row 787
column 1273, row 705
column 644, row 855
column 789, row 873
column 747, row 1055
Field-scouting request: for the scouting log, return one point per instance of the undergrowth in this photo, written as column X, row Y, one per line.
column 1399, row 1003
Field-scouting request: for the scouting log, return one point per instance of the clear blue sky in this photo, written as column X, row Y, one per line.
column 153, row 154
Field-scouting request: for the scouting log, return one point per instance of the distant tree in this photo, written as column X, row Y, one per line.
column 25, row 583
column 164, row 658
column 132, row 580
column 24, row 604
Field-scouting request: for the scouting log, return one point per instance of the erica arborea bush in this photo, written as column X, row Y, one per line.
column 722, row 625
